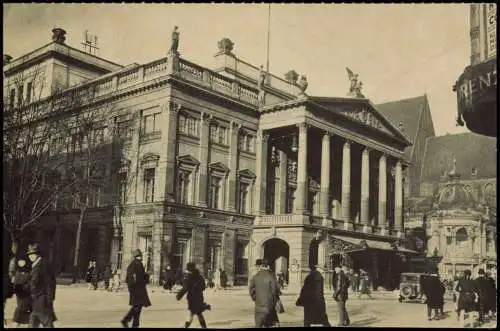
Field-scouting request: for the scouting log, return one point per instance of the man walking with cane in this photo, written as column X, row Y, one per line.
column 136, row 281
column 264, row 292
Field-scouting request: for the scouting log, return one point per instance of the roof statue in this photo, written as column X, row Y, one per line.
column 225, row 46
column 355, row 88
column 175, row 40
column 302, row 85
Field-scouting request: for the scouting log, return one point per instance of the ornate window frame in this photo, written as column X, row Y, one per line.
column 149, row 161
column 188, row 166
column 218, row 171
column 246, row 177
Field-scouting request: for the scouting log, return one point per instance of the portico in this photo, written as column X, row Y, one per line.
column 326, row 166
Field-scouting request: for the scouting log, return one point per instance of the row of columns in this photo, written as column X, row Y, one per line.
column 303, row 184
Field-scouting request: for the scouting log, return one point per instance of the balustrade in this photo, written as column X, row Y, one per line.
column 128, row 77
column 155, row 67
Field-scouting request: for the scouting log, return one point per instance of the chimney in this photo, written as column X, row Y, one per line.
column 6, row 59
column 58, row 35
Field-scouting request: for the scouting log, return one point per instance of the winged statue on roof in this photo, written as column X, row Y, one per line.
column 356, row 85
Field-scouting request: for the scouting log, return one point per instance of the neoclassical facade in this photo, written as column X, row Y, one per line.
column 223, row 166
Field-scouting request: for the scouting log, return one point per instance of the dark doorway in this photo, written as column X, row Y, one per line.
column 277, row 253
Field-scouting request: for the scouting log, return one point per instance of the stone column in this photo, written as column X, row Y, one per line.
column 262, row 145
column 365, row 187
column 203, row 157
column 233, row 167
column 346, row 181
column 325, row 176
column 382, row 191
column 302, row 178
column 281, row 189
column 398, row 199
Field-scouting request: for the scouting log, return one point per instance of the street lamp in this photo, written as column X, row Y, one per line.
column 294, row 147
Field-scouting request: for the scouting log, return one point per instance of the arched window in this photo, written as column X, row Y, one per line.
column 461, row 237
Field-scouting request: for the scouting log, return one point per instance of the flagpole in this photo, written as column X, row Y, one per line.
column 268, row 35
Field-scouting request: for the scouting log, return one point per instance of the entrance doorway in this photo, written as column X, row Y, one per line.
column 277, row 253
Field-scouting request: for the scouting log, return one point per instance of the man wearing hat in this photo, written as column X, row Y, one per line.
column 340, row 295
column 42, row 288
column 483, row 289
column 264, row 292
column 136, row 280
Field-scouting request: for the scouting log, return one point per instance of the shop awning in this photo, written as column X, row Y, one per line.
column 344, row 244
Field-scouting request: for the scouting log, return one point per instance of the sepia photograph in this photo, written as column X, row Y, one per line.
column 229, row 166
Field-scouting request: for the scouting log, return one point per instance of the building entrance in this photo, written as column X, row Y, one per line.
column 277, row 253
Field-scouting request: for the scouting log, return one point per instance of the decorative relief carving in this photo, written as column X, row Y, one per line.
column 365, row 116
column 150, row 158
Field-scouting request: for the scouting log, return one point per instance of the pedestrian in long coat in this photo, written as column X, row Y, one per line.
column 95, row 276
column 435, row 296
column 88, row 275
column 312, row 299
column 42, row 289
column 23, row 296
column 491, row 295
column 264, row 292
column 194, row 287
column 483, row 286
column 106, row 276
column 138, row 295
column 341, row 295
column 467, row 297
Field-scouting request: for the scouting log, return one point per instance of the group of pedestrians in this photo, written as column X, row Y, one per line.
column 32, row 281
column 475, row 295
column 110, row 279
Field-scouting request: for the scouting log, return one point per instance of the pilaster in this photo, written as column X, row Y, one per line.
column 233, row 167
column 203, row 157
column 281, row 189
column 167, row 167
column 157, row 250
column 262, row 145
column 302, row 179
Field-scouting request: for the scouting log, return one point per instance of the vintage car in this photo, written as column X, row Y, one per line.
column 411, row 286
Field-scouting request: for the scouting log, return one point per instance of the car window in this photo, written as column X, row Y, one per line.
column 409, row 278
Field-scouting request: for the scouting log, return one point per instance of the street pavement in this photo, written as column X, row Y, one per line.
column 76, row 306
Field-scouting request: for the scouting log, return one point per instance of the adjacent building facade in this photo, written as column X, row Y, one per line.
column 224, row 166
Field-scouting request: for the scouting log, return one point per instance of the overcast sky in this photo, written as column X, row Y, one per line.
column 399, row 51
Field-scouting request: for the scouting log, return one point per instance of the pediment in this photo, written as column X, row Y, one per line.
column 246, row 173
column 188, row 159
column 219, row 167
column 364, row 113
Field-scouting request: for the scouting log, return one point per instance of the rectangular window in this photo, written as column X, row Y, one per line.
column 214, row 255
column 182, row 124
column 213, row 133
column 12, row 97
column 149, row 184
column 183, row 187
column 222, row 134
column 193, row 126
column 29, row 91
column 243, row 198
column 242, row 258
column 123, row 129
column 183, row 252
column 123, row 188
column 145, row 245
column 213, row 198
column 20, row 94
column 149, row 123
column 250, row 144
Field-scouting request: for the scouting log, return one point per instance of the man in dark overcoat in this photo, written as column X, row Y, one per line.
column 492, row 296
column 483, row 288
column 264, row 292
column 42, row 288
column 194, row 287
column 341, row 295
column 434, row 292
column 312, row 299
column 467, row 297
column 136, row 281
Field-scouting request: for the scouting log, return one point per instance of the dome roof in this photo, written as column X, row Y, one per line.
column 455, row 196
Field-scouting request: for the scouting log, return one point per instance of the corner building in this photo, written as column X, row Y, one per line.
column 221, row 167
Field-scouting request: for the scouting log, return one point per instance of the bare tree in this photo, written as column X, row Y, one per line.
column 33, row 140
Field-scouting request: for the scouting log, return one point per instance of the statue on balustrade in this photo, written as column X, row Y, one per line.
column 175, row 40
column 355, row 88
column 303, row 85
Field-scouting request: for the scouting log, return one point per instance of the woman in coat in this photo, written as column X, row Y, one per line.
column 435, row 297
column 194, row 287
column 313, row 300
column 23, row 296
column 467, row 297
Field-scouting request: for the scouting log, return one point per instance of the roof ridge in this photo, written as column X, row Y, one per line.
column 405, row 99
